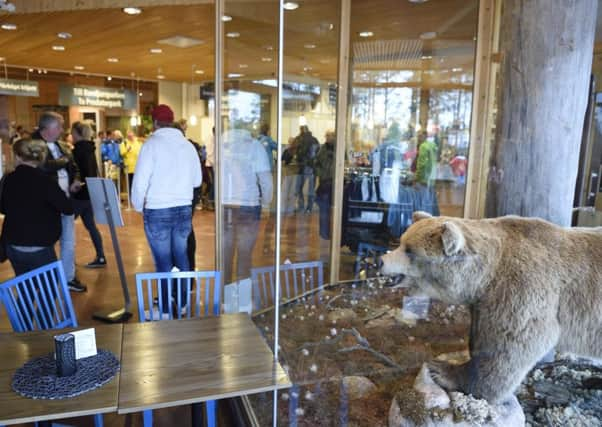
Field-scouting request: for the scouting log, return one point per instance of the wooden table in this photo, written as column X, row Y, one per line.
column 18, row 348
column 179, row 362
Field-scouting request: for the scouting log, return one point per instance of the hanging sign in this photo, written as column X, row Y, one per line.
column 19, row 87
column 92, row 96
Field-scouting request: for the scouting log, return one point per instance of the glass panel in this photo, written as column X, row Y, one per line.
column 408, row 134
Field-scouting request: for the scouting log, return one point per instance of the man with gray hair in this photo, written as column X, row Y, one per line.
column 59, row 165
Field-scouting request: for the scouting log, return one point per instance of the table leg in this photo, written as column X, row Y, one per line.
column 196, row 410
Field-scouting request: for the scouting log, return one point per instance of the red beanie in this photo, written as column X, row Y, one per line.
column 162, row 113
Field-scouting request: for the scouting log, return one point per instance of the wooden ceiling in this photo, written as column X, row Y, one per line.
column 100, row 30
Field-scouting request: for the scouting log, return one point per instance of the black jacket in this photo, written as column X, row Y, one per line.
column 52, row 165
column 32, row 203
column 84, row 154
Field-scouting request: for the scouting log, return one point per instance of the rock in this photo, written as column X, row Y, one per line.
column 434, row 396
column 425, row 406
column 342, row 314
column 358, row 387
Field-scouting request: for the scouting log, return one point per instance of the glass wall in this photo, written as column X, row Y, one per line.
column 348, row 346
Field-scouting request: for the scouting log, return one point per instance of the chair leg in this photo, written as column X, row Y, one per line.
column 98, row 422
column 147, row 417
column 211, row 408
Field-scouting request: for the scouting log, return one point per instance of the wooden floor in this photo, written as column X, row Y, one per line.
column 300, row 242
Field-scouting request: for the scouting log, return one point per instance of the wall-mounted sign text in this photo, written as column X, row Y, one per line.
column 91, row 96
column 18, row 87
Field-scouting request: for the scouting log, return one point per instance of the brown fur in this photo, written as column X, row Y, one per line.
column 532, row 286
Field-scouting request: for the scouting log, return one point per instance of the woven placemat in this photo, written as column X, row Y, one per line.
column 37, row 378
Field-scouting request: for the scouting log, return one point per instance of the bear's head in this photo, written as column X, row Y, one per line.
column 437, row 255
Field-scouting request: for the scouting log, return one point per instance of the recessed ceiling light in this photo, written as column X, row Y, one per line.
column 156, row 50
column 64, row 35
column 2, row 59
column 132, row 10
column 235, row 75
column 29, row 69
column 266, row 59
column 78, row 67
column 58, row 48
column 160, row 76
column 309, row 46
column 140, row 94
column 307, row 69
column 456, row 70
column 426, row 57
column 109, row 78
column 268, row 47
column 366, row 34
column 226, row 18
column 428, row 35
column 199, row 72
column 9, row 27
column 243, row 66
column 233, row 35
column 290, row 5
column 112, row 59
column 418, row 1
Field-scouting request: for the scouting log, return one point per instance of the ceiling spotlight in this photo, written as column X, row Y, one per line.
column 78, row 67
column 429, row 35
column 140, row 94
column 234, row 75
column 290, row 5
column 266, row 59
column 309, row 46
column 426, row 57
column 456, row 70
column 243, row 66
column 64, row 35
column 113, row 60
column 418, row 1
column 2, row 59
column 160, row 76
column 109, row 78
column 132, row 10
column 268, row 47
column 9, row 27
column 233, row 35
column 366, row 34
column 156, row 50
column 306, row 69
column 58, row 48
column 226, row 18
column 199, row 72
column 30, row 70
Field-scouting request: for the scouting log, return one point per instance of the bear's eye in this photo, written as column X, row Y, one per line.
column 409, row 251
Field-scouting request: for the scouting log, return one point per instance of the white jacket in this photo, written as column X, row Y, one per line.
column 168, row 169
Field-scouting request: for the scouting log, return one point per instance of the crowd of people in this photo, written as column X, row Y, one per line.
column 47, row 190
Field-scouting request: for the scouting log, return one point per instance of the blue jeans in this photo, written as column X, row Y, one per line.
column 167, row 232
column 68, row 246
column 22, row 262
column 307, row 175
column 241, row 226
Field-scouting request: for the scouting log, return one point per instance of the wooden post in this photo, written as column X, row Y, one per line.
column 547, row 50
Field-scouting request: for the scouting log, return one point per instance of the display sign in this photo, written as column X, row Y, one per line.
column 91, row 96
column 19, row 87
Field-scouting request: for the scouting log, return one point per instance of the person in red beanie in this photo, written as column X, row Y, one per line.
column 167, row 171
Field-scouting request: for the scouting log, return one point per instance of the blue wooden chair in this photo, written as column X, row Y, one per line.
column 295, row 280
column 38, row 300
column 197, row 294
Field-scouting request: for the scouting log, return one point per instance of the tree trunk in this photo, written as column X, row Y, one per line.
column 547, row 48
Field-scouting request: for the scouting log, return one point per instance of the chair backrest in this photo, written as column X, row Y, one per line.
column 39, row 299
column 203, row 286
column 295, row 280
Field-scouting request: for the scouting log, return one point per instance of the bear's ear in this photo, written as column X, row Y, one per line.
column 418, row 215
column 452, row 238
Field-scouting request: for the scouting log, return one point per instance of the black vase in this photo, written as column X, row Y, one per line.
column 65, row 355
